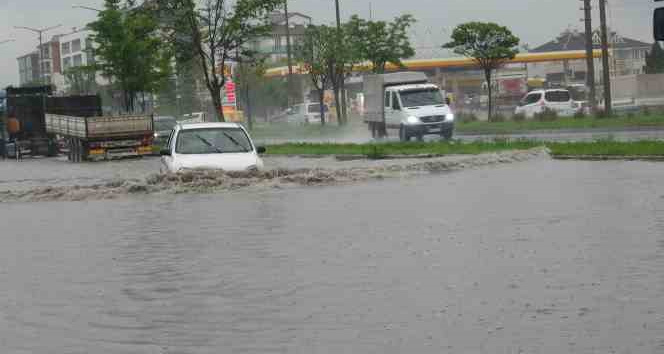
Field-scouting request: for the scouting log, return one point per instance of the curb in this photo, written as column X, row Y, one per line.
column 609, row 157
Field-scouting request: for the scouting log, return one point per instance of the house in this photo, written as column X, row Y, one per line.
column 274, row 46
column 627, row 57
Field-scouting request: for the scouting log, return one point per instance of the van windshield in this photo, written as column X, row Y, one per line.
column 423, row 97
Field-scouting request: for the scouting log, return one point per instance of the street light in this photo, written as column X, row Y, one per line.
column 85, row 8
column 40, row 32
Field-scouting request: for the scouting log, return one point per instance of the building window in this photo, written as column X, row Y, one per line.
column 76, row 46
column 46, row 66
column 65, row 48
column 66, row 63
column 78, row 60
column 46, row 52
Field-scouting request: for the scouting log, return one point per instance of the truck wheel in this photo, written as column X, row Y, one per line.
column 404, row 136
column 420, row 137
column 447, row 134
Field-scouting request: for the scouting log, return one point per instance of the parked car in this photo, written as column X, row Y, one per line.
column 216, row 146
column 557, row 100
column 163, row 126
column 306, row 113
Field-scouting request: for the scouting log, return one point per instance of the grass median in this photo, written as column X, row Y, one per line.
column 332, row 131
column 382, row 150
column 508, row 127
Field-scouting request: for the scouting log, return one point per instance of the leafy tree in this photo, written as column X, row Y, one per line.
column 380, row 42
column 655, row 60
column 217, row 31
column 488, row 44
column 131, row 52
column 81, row 79
column 316, row 53
column 248, row 78
column 187, row 85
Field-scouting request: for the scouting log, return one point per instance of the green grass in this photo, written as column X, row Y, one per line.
column 608, row 148
column 331, row 131
column 396, row 148
column 561, row 123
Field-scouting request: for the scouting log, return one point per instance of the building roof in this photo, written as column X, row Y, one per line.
column 279, row 17
column 576, row 40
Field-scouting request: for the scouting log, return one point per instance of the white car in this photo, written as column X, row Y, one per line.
column 558, row 100
column 215, row 146
column 306, row 113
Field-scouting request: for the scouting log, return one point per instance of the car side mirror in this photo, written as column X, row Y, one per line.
column 658, row 24
column 165, row 152
column 261, row 149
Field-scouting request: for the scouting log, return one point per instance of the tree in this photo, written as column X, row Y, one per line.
column 488, row 44
column 655, row 60
column 132, row 55
column 380, row 42
column 248, row 78
column 81, row 79
column 315, row 52
column 218, row 31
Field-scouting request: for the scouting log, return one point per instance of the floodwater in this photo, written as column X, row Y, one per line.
column 533, row 257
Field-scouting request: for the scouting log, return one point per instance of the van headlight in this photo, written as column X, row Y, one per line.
column 449, row 117
column 412, row 120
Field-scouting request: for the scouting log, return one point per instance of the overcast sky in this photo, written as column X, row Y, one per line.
column 534, row 21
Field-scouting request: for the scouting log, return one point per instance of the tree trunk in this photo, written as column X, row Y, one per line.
column 344, row 102
column 250, row 119
column 337, row 105
column 216, row 101
column 321, row 99
column 487, row 74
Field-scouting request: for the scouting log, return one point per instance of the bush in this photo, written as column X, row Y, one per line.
column 546, row 116
column 601, row 114
column 645, row 111
column 497, row 118
column 464, row 117
column 520, row 117
column 580, row 114
column 631, row 115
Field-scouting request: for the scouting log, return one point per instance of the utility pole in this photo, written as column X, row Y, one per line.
column 370, row 11
column 590, row 60
column 289, row 54
column 605, row 59
column 40, row 32
column 343, row 114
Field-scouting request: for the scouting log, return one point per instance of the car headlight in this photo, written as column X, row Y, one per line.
column 412, row 120
column 449, row 117
column 156, row 135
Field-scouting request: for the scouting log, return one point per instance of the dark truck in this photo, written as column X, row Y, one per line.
column 37, row 121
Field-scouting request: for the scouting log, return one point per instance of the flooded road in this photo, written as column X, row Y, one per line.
column 533, row 257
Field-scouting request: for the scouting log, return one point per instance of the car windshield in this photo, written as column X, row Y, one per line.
column 213, row 141
column 164, row 123
column 418, row 98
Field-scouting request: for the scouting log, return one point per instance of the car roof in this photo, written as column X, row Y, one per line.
column 548, row 90
column 190, row 126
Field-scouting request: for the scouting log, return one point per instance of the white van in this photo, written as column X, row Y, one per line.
column 557, row 100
